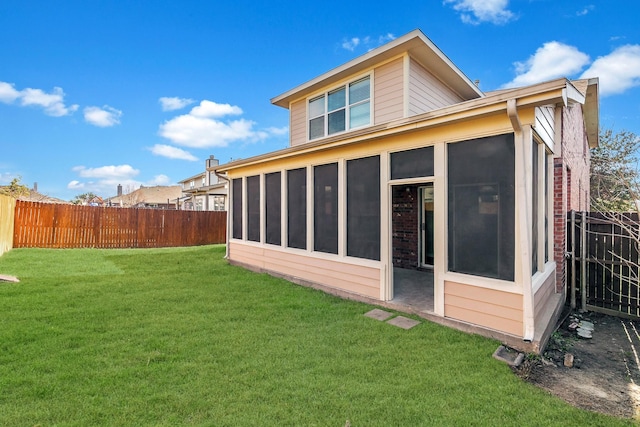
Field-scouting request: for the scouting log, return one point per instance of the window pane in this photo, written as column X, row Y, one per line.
column 363, row 208
column 237, row 208
column 253, row 208
column 412, row 163
column 359, row 115
column 325, row 201
column 336, row 99
column 336, row 121
column 316, row 127
column 482, row 207
column 359, row 91
column 546, row 206
column 316, row 106
column 273, row 198
column 297, row 208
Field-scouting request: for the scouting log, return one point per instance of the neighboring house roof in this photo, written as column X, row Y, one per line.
column 416, row 44
column 34, row 196
column 149, row 195
column 215, row 189
column 192, row 178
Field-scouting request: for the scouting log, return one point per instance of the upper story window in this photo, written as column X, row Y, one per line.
column 346, row 107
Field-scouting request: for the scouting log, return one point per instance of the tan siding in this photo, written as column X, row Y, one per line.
column 298, row 129
column 426, row 92
column 388, row 92
column 494, row 309
column 341, row 275
column 545, row 124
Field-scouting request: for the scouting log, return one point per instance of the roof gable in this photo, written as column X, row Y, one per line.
column 416, row 44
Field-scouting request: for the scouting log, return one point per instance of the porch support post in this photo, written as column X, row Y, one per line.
column 440, row 226
column 386, row 256
column 523, row 140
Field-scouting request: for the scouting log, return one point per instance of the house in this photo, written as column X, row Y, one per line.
column 204, row 191
column 407, row 186
column 156, row 197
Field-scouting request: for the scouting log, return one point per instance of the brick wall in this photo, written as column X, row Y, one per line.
column 570, row 182
column 405, row 226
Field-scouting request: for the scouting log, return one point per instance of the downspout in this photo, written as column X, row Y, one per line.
column 226, row 253
column 522, row 219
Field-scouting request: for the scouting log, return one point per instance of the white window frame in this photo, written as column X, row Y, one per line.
column 347, row 108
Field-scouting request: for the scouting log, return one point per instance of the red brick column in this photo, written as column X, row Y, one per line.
column 560, row 196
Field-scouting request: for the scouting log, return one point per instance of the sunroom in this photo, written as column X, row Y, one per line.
column 445, row 213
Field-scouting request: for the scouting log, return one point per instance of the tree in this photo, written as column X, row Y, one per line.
column 15, row 189
column 83, row 199
column 614, row 176
column 615, row 193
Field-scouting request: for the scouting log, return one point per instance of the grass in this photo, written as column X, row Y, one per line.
column 179, row 337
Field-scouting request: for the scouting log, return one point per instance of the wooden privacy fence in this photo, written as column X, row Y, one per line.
column 47, row 225
column 603, row 263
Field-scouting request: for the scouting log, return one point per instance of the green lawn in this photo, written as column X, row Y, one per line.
column 178, row 337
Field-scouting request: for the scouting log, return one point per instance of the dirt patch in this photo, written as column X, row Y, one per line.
column 605, row 376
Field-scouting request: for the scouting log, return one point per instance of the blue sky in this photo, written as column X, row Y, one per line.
column 99, row 93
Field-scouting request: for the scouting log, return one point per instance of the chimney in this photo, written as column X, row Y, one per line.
column 212, row 161
column 35, row 187
column 119, row 190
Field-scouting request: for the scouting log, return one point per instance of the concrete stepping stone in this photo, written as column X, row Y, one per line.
column 508, row 356
column 378, row 314
column 586, row 325
column 403, row 322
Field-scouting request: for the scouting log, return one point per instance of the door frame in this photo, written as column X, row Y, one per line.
column 422, row 235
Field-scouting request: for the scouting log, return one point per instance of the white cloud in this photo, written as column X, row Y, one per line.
column 367, row 42
column 8, row 93
column 172, row 152
column 52, row 103
column 102, row 117
column 204, row 127
column 351, row 44
column 386, row 38
column 174, row 103
column 552, row 60
column 212, row 109
column 278, row 131
column 120, row 171
column 75, row 185
column 103, row 187
column 478, row 11
column 585, row 10
column 104, row 180
column 159, row 180
column 618, row 71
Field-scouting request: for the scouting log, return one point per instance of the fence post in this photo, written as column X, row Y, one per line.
column 583, row 261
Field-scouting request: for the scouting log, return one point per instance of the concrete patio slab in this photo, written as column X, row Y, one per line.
column 378, row 314
column 403, row 322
